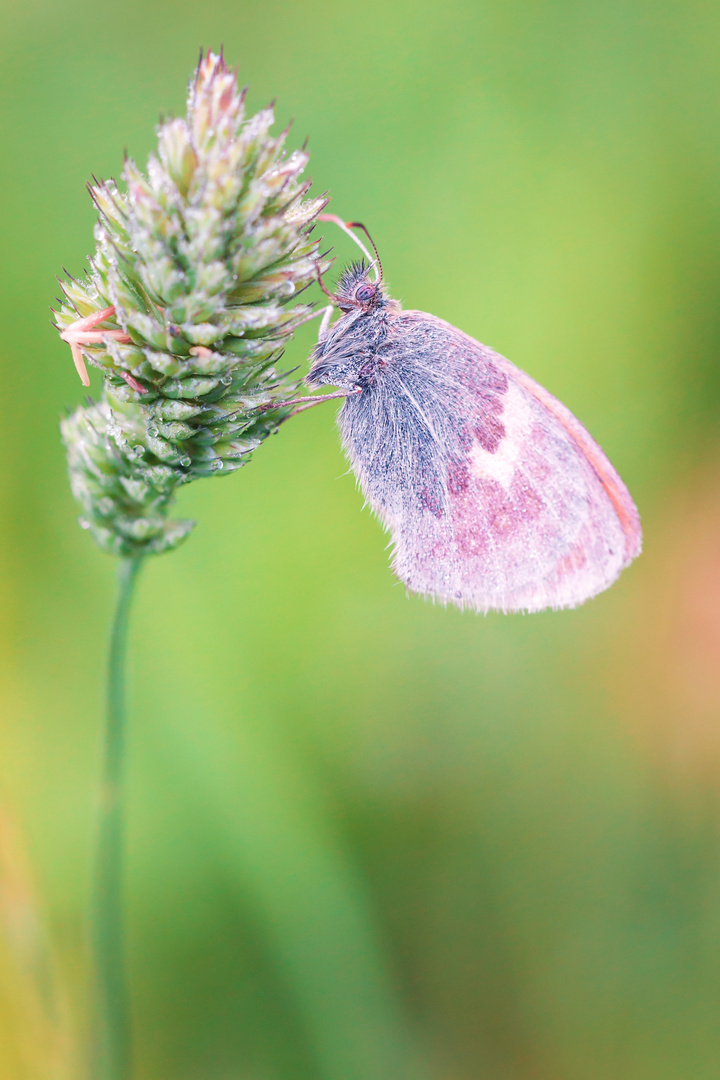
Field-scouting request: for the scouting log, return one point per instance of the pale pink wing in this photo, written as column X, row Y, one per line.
column 514, row 507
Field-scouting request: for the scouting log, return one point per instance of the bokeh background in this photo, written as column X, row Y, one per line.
column 371, row 838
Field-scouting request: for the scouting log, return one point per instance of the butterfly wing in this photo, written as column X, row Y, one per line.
column 495, row 495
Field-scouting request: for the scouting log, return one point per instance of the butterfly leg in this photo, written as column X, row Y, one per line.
column 309, row 402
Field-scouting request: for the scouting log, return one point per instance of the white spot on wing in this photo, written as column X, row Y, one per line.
column 501, row 465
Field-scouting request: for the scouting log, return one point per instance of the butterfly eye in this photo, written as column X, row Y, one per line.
column 364, row 293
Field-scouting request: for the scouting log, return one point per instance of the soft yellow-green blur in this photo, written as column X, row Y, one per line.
column 371, row 838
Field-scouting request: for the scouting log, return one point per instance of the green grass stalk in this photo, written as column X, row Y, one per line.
column 112, row 1042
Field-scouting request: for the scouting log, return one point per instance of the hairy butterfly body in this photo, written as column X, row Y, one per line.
column 496, row 497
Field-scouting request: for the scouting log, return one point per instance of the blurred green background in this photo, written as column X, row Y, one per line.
column 371, row 838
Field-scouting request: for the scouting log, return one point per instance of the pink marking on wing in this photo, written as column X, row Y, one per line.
column 490, row 431
column 574, row 560
column 616, row 491
column 458, row 479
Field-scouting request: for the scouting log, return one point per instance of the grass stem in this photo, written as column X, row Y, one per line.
column 112, row 1021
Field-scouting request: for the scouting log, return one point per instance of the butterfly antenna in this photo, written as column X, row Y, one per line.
column 347, row 228
column 379, row 271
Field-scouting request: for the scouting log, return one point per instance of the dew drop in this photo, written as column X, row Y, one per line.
column 216, row 465
column 185, row 461
column 152, row 431
column 138, row 451
column 226, row 380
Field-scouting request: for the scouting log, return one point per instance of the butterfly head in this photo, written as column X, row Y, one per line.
column 356, row 292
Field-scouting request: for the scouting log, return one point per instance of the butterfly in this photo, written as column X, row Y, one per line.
column 494, row 494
